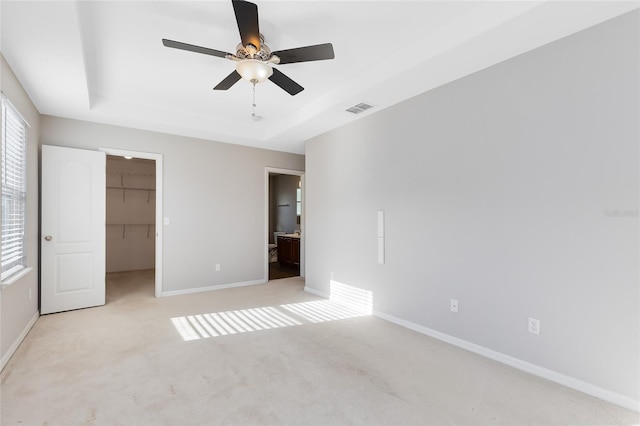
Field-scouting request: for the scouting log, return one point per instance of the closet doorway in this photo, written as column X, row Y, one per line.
column 284, row 224
column 133, row 219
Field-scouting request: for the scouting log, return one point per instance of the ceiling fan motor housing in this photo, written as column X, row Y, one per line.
column 250, row 52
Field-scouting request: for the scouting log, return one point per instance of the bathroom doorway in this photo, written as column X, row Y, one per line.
column 284, row 224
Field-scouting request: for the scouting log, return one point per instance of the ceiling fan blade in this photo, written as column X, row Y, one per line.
column 229, row 81
column 285, row 83
column 192, row 48
column 247, row 18
column 318, row 52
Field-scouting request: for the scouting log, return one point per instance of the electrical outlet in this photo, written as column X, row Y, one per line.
column 454, row 305
column 534, row 325
column 217, row 267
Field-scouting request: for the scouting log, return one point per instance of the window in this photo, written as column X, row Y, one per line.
column 14, row 197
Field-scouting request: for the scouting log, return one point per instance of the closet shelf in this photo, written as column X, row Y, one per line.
column 153, row 175
column 131, row 188
column 131, row 224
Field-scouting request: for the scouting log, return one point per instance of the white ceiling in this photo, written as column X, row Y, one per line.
column 104, row 61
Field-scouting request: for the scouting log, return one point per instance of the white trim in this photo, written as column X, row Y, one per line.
column 159, row 204
column 211, row 288
column 14, row 346
column 316, row 292
column 300, row 173
column 15, row 277
column 551, row 375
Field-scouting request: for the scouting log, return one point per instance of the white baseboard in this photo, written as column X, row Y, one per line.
column 14, row 347
column 551, row 375
column 211, row 287
column 316, row 292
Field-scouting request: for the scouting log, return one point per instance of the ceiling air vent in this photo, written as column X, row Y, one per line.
column 357, row 109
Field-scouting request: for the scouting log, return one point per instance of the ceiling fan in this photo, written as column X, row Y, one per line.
column 253, row 58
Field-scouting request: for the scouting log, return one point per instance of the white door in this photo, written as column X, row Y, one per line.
column 73, row 229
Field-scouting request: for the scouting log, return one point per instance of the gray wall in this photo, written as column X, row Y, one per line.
column 16, row 310
column 500, row 190
column 214, row 195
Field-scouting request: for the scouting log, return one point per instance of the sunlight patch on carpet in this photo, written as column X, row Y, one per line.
column 354, row 298
column 204, row 326
column 195, row 327
column 323, row 310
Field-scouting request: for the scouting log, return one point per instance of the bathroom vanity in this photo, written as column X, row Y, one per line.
column 289, row 250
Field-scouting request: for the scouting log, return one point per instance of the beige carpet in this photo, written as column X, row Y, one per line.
column 300, row 360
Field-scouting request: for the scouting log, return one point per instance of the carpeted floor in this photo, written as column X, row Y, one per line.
column 265, row 354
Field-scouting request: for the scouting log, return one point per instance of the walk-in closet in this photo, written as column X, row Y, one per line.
column 131, row 228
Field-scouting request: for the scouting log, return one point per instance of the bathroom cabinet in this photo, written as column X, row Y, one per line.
column 289, row 250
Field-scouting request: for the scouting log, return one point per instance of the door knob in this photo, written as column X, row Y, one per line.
column 48, row 238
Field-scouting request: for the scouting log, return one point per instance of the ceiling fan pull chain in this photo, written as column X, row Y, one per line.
column 253, row 110
column 254, row 99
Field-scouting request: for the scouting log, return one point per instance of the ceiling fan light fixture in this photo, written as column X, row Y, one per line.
column 253, row 70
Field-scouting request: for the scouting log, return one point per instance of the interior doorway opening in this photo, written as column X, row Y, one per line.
column 284, row 224
column 130, row 227
column 133, row 224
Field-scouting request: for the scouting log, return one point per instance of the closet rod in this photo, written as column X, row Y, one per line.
column 131, row 174
column 131, row 224
column 124, row 227
column 131, row 187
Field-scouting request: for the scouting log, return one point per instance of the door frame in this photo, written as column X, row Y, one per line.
column 159, row 212
column 290, row 172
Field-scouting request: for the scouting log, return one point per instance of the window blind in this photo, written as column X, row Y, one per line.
column 14, row 199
